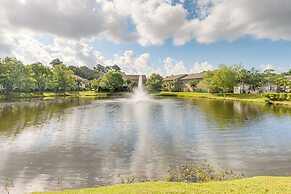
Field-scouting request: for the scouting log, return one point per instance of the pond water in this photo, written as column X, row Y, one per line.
column 76, row 143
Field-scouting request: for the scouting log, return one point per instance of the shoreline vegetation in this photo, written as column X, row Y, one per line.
column 245, row 185
column 32, row 95
column 256, row 98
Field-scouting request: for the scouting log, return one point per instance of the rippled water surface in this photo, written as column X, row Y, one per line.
column 75, row 143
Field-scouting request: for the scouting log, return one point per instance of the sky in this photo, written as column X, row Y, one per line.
column 145, row 36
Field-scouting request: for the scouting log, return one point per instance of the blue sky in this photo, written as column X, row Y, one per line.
column 246, row 51
column 146, row 36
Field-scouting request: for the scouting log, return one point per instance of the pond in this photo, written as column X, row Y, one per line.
column 83, row 142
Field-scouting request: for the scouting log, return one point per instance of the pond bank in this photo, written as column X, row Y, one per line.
column 258, row 98
column 247, row 185
column 31, row 95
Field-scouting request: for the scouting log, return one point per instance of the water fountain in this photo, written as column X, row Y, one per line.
column 139, row 93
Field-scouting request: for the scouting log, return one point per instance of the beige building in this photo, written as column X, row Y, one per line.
column 186, row 87
column 133, row 81
column 181, row 82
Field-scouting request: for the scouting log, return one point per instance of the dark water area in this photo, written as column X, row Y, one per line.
column 75, row 143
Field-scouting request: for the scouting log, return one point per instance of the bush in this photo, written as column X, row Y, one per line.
column 200, row 172
column 278, row 96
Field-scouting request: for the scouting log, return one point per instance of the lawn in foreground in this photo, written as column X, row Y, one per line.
column 248, row 185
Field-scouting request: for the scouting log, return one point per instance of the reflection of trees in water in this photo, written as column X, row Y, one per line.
column 236, row 113
column 18, row 115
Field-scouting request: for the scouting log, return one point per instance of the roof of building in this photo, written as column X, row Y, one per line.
column 288, row 77
column 174, row 77
column 133, row 77
column 82, row 79
column 193, row 76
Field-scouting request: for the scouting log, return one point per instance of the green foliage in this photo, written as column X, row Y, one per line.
column 94, row 84
column 41, row 74
column 193, row 83
column 220, row 80
column 171, row 86
column 200, row 172
column 154, row 82
column 83, row 72
column 56, row 62
column 246, row 185
column 11, row 74
column 27, row 81
column 112, row 81
column 278, row 96
column 280, row 80
column 62, row 77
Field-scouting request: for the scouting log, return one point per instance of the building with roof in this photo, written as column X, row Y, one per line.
column 185, row 81
column 181, row 82
column 131, row 81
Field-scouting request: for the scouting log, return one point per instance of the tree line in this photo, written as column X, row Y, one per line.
column 225, row 78
column 18, row 77
column 15, row 76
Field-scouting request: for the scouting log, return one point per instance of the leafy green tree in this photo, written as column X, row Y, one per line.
column 56, row 62
column 41, row 74
column 115, row 68
column 205, row 83
column 27, row 82
column 112, row 81
column 269, row 75
column 94, row 84
column 10, row 73
column 63, row 77
column 255, row 78
column 171, row 86
column 281, row 81
column 193, row 83
column 154, row 82
column 221, row 80
column 83, row 72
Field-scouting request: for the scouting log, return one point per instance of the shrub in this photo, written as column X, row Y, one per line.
column 278, row 96
column 200, row 172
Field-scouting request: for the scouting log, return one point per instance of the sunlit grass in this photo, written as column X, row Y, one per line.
column 259, row 98
column 248, row 185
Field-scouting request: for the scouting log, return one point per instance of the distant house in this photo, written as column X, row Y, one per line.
column 186, row 87
column 173, row 83
column 269, row 87
column 288, row 89
column 182, row 81
column 174, row 77
column 133, row 81
column 288, row 77
column 83, row 83
column 134, row 78
column 241, row 89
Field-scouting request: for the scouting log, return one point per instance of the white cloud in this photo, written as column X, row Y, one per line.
column 132, row 64
column 24, row 46
column 152, row 21
column 266, row 67
column 229, row 20
column 174, row 67
column 204, row 66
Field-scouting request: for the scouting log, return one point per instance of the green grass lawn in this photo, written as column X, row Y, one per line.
column 240, row 97
column 245, row 186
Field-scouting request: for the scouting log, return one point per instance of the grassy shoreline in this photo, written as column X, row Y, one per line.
column 257, row 98
column 31, row 95
column 246, row 185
